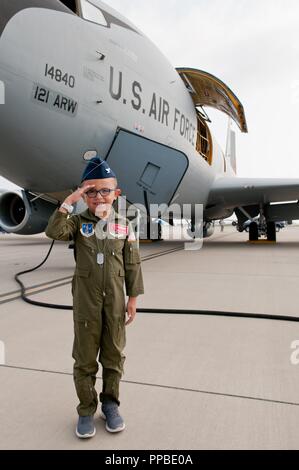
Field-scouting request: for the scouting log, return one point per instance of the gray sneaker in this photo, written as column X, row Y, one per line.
column 114, row 422
column 85, row 427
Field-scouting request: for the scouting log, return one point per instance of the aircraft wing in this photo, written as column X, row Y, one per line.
column 232, row 192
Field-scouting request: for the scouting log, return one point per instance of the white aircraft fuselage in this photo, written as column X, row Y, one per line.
column 77, row 77
column 70, row 84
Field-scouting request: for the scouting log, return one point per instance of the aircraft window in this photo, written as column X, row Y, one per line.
column 92, row 13
column 71, row 4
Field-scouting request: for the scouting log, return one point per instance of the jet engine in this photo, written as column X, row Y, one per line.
column 24, row 213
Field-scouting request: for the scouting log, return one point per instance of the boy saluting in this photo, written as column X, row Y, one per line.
column 107, row 255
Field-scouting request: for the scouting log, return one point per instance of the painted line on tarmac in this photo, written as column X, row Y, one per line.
column 167, row 387
column 54, row 284
column 34, row 291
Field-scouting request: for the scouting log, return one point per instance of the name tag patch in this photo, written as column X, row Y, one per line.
column 118, row 230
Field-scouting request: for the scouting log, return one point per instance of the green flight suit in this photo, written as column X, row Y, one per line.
column 99, row 301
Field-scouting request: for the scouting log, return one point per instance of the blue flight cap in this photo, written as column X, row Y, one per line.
column 97, row 169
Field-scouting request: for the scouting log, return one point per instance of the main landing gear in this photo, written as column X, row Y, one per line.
column 267, row 229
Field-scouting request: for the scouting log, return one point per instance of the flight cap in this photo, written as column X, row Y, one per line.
column 97, row 169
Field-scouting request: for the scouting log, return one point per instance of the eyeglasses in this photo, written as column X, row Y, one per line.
column 92, row 193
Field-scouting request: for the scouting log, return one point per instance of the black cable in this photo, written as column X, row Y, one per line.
column 23, row 288
column 264, row 316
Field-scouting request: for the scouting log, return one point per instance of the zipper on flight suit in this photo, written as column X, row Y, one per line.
column 103, row 267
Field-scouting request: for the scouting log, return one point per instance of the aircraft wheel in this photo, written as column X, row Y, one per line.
column 155, row 239
column 271, row 232
column 159, row 232
column 195, row 232
column 154, row 231
column 253, row 232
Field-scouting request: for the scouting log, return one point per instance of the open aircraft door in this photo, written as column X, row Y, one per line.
column 207, row 90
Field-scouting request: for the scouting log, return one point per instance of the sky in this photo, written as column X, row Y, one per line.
column 251, row 45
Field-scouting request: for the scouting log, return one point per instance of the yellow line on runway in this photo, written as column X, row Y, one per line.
column 261, row 242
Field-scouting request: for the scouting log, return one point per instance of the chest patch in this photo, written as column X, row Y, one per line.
column 118, row 230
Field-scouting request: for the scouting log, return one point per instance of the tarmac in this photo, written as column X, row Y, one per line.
column 191, row 381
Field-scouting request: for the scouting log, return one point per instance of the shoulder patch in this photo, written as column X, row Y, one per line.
column 87, row 230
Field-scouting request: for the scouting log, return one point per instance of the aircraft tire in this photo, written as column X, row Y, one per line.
column 271, row 232
column 253, row 232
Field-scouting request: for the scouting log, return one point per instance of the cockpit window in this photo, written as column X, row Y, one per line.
column 95, row 12
column 91, row 13
column 71, row 4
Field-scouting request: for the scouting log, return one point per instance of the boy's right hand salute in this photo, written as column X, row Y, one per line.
column 75, row 196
